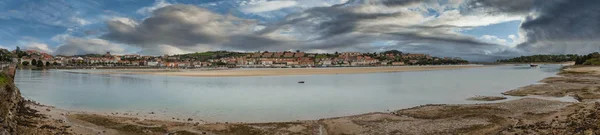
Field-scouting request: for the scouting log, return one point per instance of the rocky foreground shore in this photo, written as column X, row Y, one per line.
column 522, row 116
column 16, row 117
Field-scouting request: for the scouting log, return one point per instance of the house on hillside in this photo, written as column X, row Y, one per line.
column 398, row 63
column 267, row 55
column 153, row 63
column 277, row 54
column 350, row 54
column 299, row 54
column 256, row 55
column 288, row 54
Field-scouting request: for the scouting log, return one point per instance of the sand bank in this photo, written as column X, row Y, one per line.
column 283, row 71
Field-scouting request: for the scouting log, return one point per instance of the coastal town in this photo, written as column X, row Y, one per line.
column 263, row 59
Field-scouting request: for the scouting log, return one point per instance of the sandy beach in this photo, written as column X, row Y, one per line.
column 281, row 71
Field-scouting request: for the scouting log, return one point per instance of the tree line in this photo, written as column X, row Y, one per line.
column 589, row 59
column 38, row 63
column 541, row 58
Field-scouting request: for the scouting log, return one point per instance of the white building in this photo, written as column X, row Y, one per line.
column 153, row 63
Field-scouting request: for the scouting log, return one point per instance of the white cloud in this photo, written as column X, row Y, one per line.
column 513, row 38
column 163, row 49
column 494, row 39
column 126, row 21
column 60, row 37
column 265, row 6
column 319, row 3
column 348, row 27
column 39, row 47
column 157, row 4
column 75, row 46
column 187, row 28
column 455, row 18
column 80, row 21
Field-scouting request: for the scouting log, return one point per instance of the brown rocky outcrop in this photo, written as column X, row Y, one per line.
column 9, row 106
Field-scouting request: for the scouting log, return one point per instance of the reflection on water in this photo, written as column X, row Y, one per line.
column 271, row 98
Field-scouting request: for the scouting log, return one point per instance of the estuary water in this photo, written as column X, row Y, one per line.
column 271, row 98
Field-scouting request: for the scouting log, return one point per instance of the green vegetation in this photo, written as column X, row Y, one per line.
column 4, row 78
column 20, row 53
column 5, row 55
column 393, row 52
column 542, row 58
column 590, row 59
column 320, row 56
column 33, row 62
column 25, row 63
column 89, row 55
column 40, row 63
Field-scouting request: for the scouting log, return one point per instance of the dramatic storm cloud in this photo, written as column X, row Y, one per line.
column 187, row 27
column 551, row 26
column 358, row 25
column 353, row 26
column 479, row 30
column 567, row 26
column 519, row 7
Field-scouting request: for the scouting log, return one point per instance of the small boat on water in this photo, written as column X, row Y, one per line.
column 301, row 82
column 533, row 65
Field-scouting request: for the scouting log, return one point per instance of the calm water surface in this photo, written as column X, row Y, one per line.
column 271, row 98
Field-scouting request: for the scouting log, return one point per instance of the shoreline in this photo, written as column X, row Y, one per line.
column 521, row 116
column 523, row 63
column 242, row 72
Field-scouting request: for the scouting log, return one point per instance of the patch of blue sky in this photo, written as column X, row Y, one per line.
column 384, row 43
column 21, row 28
column 500, row 30
column 432, row 12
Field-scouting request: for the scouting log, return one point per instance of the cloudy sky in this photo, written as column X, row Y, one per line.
column 479, row 30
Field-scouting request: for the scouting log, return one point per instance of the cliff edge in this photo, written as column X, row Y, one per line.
column 15, row 116
column 10, row 104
